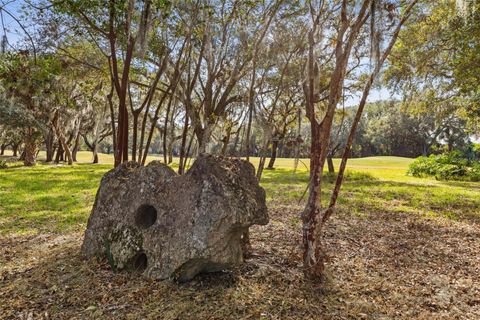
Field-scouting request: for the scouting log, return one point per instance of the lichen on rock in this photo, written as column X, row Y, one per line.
column 164, row 225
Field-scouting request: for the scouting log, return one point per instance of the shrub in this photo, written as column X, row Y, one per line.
column 3, row 164
column 475, row 172
column 447, row 166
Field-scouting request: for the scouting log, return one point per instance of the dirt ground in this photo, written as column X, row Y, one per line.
column 384, row 265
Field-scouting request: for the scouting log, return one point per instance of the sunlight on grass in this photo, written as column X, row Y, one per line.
column 58, row 198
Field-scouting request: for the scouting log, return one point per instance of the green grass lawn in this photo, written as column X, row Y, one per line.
column 51, row 198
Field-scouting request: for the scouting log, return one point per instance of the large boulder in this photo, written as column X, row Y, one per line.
column 166, row 225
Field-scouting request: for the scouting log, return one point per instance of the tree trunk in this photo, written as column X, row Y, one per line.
column 49, row 146
column 112, row 123
column 94, row 150
column 15, row 147
column 61, row 139
column 59, row 154
column 165, row 128
column 331, row 167
column 75, row 148
column 274, row 155
column 313, row 255
column 170, row 150
column 22, row 155
column 30, row 151
column 120, row 80
column 263, row 158
column 314, row 218
column 2, row 149
column 249, row 128
column 134, row 136
column 424, row 150
column 261, row 165
column 95, row 157
column 235, row 144
column 226, row 141
column 187, row 154
column 74, row 155
column 204, row 138
column 181, row 168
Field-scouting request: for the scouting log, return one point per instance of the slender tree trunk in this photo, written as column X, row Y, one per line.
column 119, row 142
column 226, row 141
column 165, row 128
column 331, row 167
column 134, row 137
column 298, row 139
column 273, row 157
column 75, row 148
column 188, row 154
column 121, row 85
column 170, row 153
column 181, row 168
column 112, row 123
column 154, row 122
column 251, row 106
column 49, row 145
column 95, row 156
column 251, row 91
column 263, row 157
column 95, row 152
column 261, row 166
column 314, row 218
column 233, row 150
column 125, row 135
column 246, row 245
column 2, row 149
column 313, row 256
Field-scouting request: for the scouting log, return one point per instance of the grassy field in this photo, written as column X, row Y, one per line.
column 402, row 247
column 59, row 197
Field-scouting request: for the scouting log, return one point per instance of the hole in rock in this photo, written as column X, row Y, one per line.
column 140, row 263
column 146, row 216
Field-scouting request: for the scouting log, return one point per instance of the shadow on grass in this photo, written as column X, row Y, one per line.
column 288, row 176
column 463, row 184
column 363, row 193
column 47, row 198
column 459, row 203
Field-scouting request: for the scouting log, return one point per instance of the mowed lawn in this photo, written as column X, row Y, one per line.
column 59, row 198
column 400, row 248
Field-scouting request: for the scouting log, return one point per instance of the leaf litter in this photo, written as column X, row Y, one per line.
column 383, row 265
